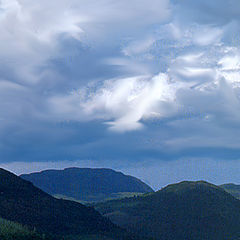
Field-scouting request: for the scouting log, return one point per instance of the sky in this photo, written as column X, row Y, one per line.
column 147, row 87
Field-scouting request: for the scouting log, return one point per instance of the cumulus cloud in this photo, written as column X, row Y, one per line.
column 127, row 101
column 28, row 36
column 192, row 79
column 46, row 47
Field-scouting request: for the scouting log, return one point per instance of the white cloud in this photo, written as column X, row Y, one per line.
column 138, row 47
column 230, row 62
column 28, row 34
column 30, row 30
column 126, row 101
column 206, row 35
column 34, row 33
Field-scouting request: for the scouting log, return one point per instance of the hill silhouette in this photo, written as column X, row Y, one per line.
column 86, row 184
column 183, row 211
column 22, row 202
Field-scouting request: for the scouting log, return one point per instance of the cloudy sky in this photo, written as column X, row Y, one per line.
column 148, row 87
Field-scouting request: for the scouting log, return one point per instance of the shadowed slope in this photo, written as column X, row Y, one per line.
column 21, row 202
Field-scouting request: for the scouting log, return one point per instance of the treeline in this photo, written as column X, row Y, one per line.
column 14, row 231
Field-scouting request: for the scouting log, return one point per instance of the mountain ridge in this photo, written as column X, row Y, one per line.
column 86, row 184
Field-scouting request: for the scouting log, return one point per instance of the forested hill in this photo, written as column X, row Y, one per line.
column 183, row 211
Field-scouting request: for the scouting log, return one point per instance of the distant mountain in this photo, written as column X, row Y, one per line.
column 87, row 184
column 21, row 202
column 232, row 189
column 183, row 211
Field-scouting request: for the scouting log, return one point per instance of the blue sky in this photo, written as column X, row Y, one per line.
column 150, row 88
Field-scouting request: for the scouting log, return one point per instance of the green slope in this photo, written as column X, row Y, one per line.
column 21, row 202
column 86, row 184
column 14, row 231
column 184, row 211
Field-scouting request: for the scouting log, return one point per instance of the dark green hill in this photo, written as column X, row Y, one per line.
column 184, row 211
column 86, row 184
column 232, row 189
column 21, row 202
